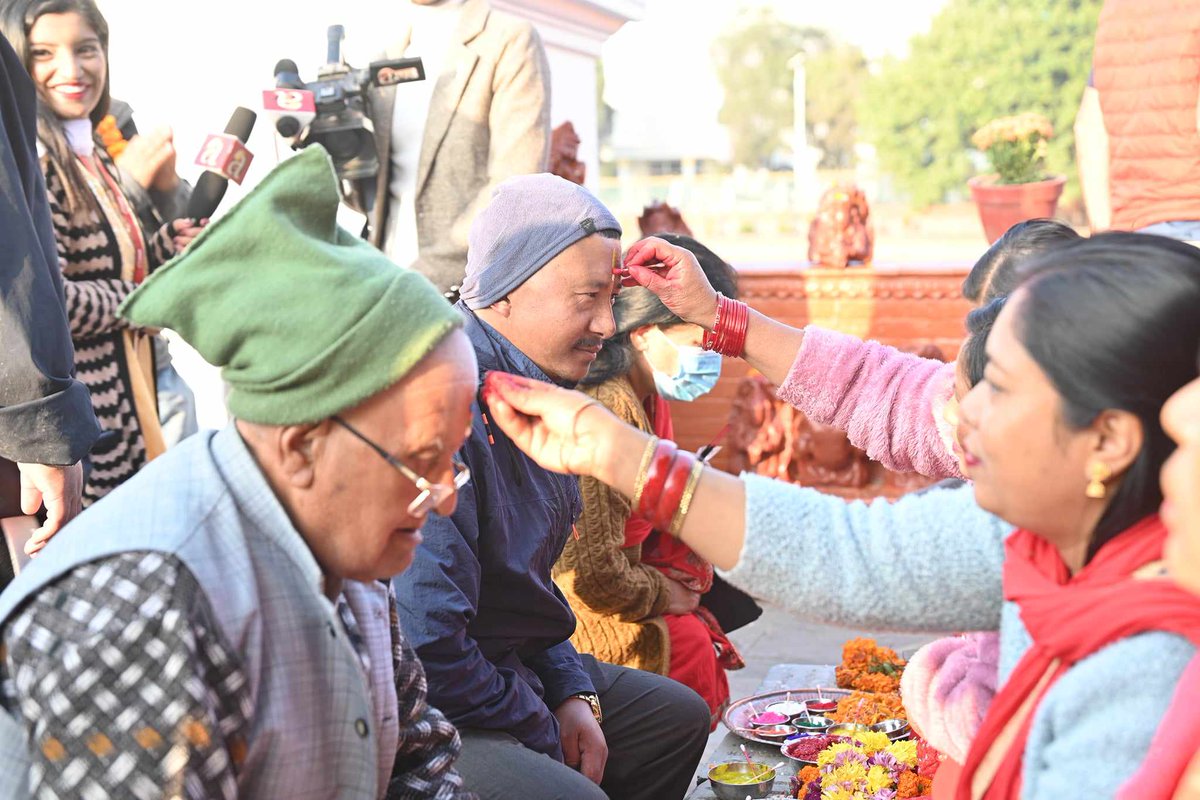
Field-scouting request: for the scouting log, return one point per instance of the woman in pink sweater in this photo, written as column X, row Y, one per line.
column 902, row 410
column 892, row 404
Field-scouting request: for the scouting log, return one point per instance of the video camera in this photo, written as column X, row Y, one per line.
column 334, row 111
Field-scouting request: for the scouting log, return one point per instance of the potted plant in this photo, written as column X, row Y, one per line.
column 1019, row 189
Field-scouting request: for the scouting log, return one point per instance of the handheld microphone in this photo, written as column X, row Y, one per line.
column 224, row 158
column 289, row 104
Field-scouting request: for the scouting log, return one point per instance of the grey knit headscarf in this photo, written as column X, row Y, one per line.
column 530, row 220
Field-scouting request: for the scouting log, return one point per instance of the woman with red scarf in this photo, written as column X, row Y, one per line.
column 636, row 591
column 1062, row 440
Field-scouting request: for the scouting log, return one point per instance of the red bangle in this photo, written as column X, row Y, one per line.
column 656, row 477
column 672, row 492
column 728, row 336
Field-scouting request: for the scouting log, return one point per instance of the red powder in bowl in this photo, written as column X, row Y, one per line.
column 807, row 747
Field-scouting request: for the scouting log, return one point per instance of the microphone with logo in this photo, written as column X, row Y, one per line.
column 290, row 104
column 224, row 158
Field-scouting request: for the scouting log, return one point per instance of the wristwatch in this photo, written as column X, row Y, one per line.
column 593, row 700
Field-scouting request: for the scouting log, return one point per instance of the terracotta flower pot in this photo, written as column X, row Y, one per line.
column 1003, row 205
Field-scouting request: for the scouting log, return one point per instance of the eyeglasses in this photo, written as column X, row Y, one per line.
column 432, row 494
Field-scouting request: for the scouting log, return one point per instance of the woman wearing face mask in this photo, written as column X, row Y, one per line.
column 103, row 250
column 636, row 591
column 1062, row 439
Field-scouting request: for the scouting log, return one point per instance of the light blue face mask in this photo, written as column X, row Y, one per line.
column 697, row 375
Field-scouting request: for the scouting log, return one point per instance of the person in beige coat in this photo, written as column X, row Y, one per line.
column 481, row 115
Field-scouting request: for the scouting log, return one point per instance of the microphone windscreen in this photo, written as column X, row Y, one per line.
column 287, row 75
column 211, row 186
column 241, row 123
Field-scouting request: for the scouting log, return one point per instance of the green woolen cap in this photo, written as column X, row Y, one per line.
column 303, row 318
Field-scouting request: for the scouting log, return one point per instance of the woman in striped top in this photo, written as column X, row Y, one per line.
column 102, row 248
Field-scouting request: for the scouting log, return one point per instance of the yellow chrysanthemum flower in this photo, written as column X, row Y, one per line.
column 855, row 774
column 878, row 778
column 839, row 793
column 827, row 755
column 872, row 741
column 905, row 752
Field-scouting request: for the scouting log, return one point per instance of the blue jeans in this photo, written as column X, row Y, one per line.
column 1187, row 230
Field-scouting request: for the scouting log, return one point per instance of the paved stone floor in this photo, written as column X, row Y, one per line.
column 780, row 637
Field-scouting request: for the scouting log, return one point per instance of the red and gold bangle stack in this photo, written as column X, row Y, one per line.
column 728, row 336
column 665, row 485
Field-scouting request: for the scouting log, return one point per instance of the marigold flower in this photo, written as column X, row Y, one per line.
column 907, row 786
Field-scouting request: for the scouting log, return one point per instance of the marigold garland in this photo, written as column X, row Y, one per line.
column 869, row 667
column 111, row 137
column 867, row 708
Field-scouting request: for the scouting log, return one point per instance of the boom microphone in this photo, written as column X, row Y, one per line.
column 224, row 158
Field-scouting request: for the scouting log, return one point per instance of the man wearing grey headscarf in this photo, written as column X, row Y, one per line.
column 537, row 719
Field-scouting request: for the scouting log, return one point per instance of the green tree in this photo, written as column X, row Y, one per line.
column 835, row 79
column 981, row 59
column 752, row 62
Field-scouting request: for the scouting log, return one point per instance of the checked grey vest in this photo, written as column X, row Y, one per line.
column 313, row 732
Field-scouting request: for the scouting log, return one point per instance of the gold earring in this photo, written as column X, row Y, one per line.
column 1098, row 472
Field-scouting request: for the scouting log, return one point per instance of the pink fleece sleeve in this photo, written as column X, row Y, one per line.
column 887, row 402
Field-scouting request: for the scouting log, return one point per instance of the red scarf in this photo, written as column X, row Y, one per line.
column 1069, row 618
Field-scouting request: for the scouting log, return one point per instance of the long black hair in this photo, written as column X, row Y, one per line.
column 636, row 306
column 973, row 353
column 995, row 273
column 17, row 18
column 1114, row 322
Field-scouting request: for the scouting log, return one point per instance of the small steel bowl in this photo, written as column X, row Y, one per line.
column 813, row 724
column 789, row 708
column 786, row 747
column 740, row 791
column 846, row 729
column 776, row 732
column 822, row 707
column 896, row 729
column 757, row 720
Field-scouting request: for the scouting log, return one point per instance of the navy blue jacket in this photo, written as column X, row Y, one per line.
column 478, row 602
column 46, row 414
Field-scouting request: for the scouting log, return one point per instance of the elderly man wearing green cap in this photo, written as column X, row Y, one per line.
column 217, row 626
column 538, row 720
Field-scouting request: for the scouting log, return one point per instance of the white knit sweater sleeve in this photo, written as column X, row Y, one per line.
column 930, row 561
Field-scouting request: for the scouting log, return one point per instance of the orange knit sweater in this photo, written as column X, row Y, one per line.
column 618, row 601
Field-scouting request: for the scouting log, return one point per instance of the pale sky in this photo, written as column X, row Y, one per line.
column 651, row 83
column 191, row 65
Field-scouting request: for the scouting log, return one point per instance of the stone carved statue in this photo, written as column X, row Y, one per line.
column 564, row 154
column 658, row 217
column 773, row 438
column 841, row 231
